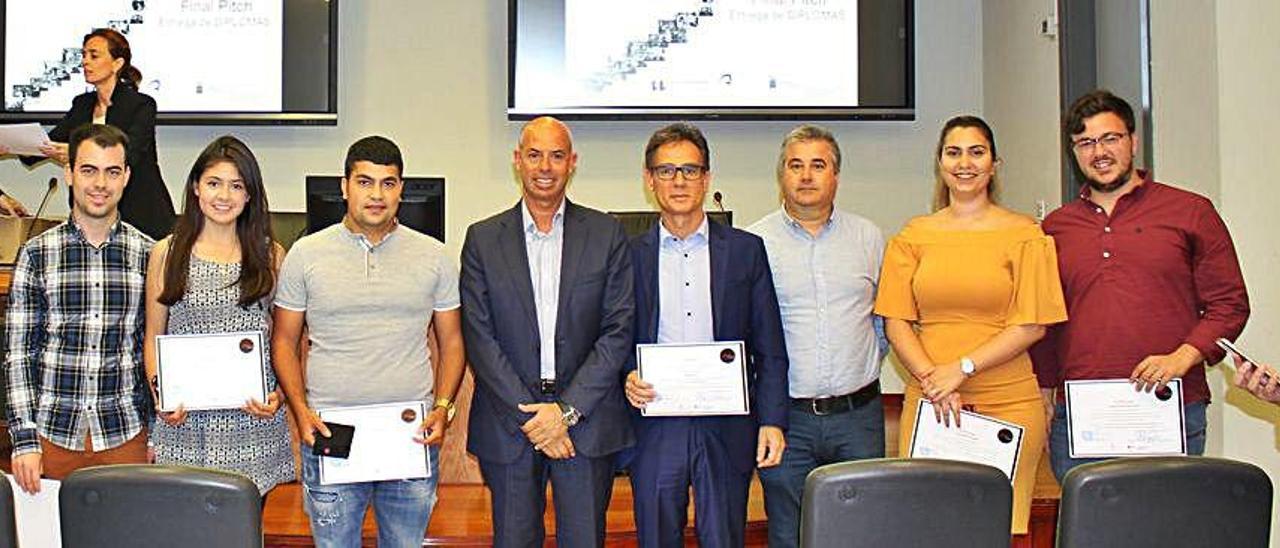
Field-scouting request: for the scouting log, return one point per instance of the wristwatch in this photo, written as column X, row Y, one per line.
column 569, row 414
column 449, row 408
column 968, row 367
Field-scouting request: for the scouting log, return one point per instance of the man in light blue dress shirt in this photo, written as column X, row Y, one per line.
column 825, row 265
column 544, row 249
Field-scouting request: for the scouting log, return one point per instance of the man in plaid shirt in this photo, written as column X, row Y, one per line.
column 77, row 395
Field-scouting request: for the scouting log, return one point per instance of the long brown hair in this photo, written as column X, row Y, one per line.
column 253, row 227
column 118, row 47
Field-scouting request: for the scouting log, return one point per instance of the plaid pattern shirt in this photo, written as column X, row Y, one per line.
column 74, row 332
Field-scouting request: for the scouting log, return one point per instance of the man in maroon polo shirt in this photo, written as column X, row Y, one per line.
column 1149, row 274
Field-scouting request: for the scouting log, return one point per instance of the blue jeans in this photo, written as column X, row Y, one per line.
column 1060, row 450
column 813, row 441
column 402, row 507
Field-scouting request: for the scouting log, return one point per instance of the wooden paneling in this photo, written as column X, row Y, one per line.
column 462, row 516
column 456, row 465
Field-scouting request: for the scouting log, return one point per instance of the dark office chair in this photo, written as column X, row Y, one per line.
column 8, row 527
column 151, row 505
column 906, row 502
column 1165, row 502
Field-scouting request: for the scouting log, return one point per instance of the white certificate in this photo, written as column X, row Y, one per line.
column 37, row 516
column 694, row 379
column 24, row 139
column 218, row 371
column 384, row 446
column 979, row 439
column 1110, row 418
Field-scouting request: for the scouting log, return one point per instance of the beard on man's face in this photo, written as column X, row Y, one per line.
column 1099, row 186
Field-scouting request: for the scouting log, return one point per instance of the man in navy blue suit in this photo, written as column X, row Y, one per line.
column 547, row 316
column 697, row 282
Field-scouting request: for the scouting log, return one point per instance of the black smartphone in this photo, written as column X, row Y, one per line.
column 338, row 444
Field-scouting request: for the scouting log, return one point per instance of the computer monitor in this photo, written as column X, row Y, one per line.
column 421, row 204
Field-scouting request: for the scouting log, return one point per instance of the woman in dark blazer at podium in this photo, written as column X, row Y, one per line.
column 116, row 101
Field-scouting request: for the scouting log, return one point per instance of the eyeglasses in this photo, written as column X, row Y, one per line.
column 1108, row 140
column 667, row 172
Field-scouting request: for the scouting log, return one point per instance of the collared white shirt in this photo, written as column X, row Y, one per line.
column 684, row 286
column 544, row 250
column 826, row 286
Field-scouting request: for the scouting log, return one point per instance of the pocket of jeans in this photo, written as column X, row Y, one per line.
column 324, row 507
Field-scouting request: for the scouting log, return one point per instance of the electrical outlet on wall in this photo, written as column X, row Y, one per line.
column 1042, row 209
column 1049, row 26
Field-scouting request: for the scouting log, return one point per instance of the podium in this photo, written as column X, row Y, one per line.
column 14, row 231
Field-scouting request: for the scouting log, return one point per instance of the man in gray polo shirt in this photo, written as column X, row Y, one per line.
column 367, row 289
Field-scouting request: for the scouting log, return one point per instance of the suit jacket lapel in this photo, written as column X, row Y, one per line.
column 647, row 265
column 719, row 273
column 574, row 242
column 517, row 262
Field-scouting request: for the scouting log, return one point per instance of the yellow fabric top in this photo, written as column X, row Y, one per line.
column 997, row 277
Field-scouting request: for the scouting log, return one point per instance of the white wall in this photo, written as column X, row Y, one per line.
column 432, row 76
column 1248, row 86
column 1215, row 88
column 1184, row 102
column 1020, row 99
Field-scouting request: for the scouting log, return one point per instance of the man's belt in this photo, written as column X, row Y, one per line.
column 547, row 387
column 838, row 404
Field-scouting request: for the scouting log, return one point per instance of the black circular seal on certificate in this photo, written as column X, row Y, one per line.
column 408, row 415
column 246, row 345
column 1164, row 393
column 1005, row 435
column 727, row 355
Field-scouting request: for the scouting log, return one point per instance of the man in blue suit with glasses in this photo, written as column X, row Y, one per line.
column 698, row 282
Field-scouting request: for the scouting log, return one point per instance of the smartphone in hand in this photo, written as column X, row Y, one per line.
column 1233, row 349
column 338, row 445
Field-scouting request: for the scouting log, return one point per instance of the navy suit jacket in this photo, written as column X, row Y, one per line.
column 593, row 332
column 744, row 306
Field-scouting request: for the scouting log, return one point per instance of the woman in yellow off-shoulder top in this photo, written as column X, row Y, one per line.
column 964, row 292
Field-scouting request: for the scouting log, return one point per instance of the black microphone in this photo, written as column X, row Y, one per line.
column 53, row 186
column 718, row 198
